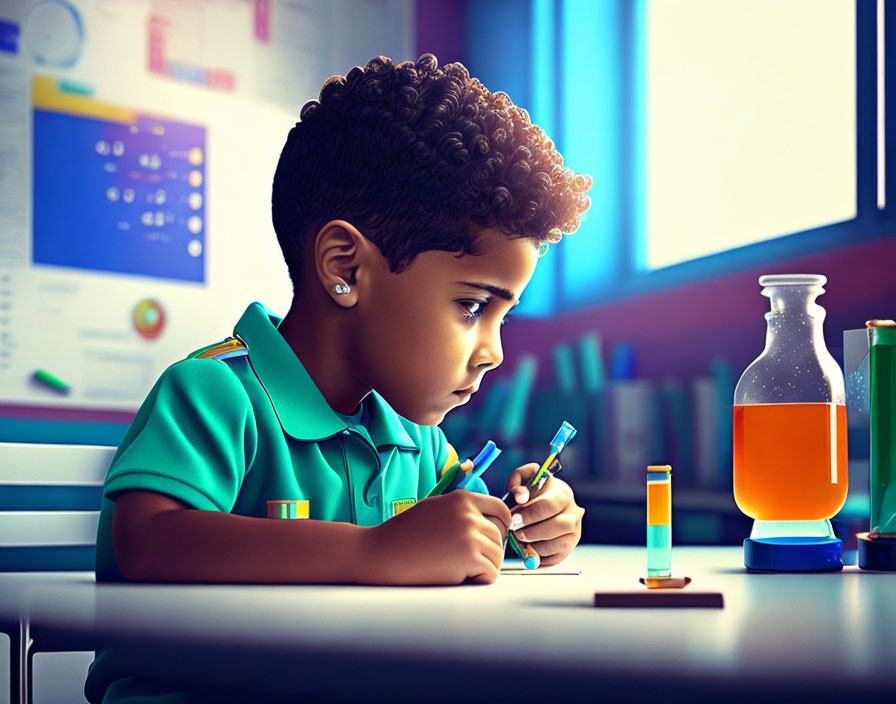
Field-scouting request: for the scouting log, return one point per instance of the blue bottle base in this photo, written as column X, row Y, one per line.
column 876, row 554
column 793, row 554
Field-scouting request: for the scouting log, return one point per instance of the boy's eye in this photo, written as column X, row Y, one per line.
column 472, row 309
column 475, row 309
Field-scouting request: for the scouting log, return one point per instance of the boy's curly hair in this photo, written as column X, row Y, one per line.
column 412, row 154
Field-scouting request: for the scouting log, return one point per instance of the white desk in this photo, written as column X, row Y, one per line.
column 533, row 637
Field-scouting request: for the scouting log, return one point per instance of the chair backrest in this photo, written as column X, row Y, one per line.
column 50, row 497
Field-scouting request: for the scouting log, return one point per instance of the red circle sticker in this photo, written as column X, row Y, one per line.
column 149, row 318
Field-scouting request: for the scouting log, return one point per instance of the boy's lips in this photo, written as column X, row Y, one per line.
column 466, row 393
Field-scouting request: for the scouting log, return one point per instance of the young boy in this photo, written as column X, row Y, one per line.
column 411, row 205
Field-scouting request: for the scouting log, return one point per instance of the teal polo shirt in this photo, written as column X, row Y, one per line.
column 242, row 423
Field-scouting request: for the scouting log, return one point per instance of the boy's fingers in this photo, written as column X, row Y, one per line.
column 541, row 508
column 548, row 529
column 486, row 572
column 521, row 475
column 553, row 551
column 549, row 560
column 493, row 529
column 492, row 507
column 488, row 558
column 494, row 553
column 520, row 494
column 555, row 498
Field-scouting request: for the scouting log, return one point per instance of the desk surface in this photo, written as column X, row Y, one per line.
column 529, row 636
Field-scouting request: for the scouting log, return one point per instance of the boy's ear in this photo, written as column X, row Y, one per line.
column 339, row 250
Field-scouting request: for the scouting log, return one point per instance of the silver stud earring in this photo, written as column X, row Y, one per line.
column 342, row 289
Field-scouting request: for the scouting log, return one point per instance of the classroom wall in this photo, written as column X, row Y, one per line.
column 439, row 27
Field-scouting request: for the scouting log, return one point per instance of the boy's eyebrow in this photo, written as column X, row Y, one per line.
column 496, row 290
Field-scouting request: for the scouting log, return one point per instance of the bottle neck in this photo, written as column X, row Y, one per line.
column 794, row 319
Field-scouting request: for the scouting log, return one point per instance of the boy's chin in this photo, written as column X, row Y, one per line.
column 425, row 417
column 431, row 418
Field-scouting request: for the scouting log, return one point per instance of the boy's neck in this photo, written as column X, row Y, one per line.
column 319, row 341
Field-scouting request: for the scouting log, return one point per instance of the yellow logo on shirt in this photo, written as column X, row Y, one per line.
column 400, row 505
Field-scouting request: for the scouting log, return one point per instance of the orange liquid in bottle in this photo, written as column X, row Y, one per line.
column 790, row 461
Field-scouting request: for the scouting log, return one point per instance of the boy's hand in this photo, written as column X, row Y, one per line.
column 551, row 521
column 442, row 540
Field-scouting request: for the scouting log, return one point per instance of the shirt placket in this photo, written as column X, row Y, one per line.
column 363, row 479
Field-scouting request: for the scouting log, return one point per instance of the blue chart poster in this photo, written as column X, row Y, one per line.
column 124, row 197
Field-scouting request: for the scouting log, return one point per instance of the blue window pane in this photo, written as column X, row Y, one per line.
column 591, row 109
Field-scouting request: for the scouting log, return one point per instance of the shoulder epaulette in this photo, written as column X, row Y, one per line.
column 231, row 347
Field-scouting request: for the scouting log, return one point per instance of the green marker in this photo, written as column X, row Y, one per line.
column 447, row 478
column 54, row 382
column 74, row 87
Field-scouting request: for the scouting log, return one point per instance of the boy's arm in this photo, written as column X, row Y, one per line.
column 159, row 538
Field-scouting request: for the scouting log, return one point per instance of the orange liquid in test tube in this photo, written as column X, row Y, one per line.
column 790, row 461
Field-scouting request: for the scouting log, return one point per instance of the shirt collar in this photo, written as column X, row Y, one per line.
column 303, row 411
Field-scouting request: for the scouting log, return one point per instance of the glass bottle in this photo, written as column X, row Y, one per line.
column 790, row 457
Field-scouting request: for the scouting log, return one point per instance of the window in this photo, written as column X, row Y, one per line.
column 750, row 123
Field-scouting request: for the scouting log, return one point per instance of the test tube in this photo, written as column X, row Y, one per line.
column 659, row 521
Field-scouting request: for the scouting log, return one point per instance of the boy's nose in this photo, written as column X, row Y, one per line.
column 490, row 353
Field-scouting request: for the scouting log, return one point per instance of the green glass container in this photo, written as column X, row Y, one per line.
column 882, row 352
